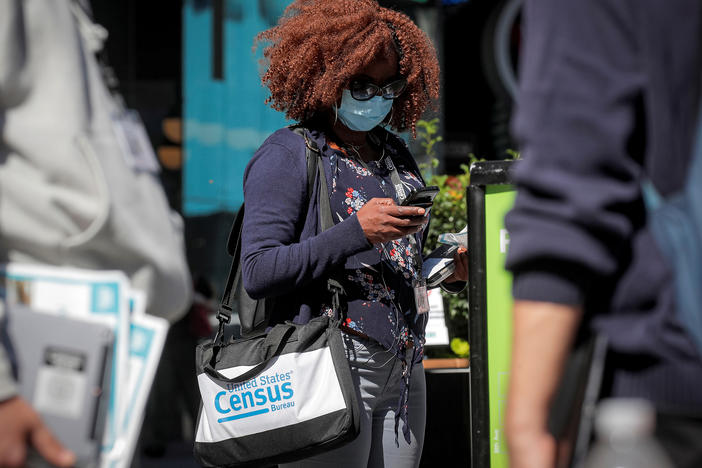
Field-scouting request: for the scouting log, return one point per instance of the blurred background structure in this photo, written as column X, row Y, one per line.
column 187, row 66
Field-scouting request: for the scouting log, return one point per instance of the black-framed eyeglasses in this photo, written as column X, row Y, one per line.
column 363, row 89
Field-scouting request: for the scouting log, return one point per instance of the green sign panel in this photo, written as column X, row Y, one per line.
column 498, row 200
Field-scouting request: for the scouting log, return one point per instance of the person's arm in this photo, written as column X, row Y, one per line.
column 578, row 193
column 543, row 334
column 19, row 423
column 578, row 200
column 275, row 194
column 274, row 261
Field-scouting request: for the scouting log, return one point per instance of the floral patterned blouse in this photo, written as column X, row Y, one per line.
column 378, row 282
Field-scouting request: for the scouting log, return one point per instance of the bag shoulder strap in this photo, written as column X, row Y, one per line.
column 315, row 168
column 311, row 150
column 326, row 221
column 224, row 312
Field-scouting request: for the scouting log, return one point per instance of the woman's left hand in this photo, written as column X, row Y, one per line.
column 460, row 259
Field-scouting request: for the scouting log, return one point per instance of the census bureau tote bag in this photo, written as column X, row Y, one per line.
column 276, row 397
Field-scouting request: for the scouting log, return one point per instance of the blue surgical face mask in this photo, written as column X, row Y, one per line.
column 362, row 116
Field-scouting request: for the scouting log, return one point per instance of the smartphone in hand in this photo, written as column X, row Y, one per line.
column 422, row 197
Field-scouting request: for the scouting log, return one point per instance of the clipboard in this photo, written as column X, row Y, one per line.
column 438, row 265
column 64, row 367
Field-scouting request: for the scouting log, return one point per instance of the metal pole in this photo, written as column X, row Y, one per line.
column 477, row 329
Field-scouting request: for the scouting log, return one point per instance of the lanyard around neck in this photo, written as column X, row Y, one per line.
column 394, row 177
column 401, row 195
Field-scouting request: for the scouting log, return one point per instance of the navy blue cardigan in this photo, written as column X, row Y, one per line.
column 286, row 255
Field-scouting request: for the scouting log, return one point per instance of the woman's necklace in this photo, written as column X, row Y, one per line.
column 357, row 150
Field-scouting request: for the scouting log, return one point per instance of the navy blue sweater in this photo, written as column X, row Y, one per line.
column 608, row 93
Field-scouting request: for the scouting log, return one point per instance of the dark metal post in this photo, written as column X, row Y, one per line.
column 482, row 174
column 477, row 329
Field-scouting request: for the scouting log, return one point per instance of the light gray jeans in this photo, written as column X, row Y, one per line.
column 377, row 377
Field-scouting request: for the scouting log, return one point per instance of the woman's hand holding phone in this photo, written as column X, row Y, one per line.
column 423, row 197
column 382, row 220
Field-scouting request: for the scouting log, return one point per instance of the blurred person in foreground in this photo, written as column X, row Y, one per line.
column 68, row 196
column 347, row 70
column 609, row 93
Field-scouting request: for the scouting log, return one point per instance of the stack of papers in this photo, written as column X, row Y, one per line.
column 105, row 297
column 459, row 239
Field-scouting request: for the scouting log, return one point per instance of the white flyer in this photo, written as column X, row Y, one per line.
column 146, row 340
column 87, row 294
column 137, row 302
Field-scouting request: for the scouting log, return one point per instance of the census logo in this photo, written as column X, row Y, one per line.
column 264, row 394
column 295, row 387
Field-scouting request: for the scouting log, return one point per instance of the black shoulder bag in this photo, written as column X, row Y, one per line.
column 279, row 396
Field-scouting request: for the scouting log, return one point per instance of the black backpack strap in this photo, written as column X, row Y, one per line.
column 326, row 220
column 325, row 213
column 310, row 151
column 315, row 165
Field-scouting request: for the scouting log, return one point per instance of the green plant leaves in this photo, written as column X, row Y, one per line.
column 448, row 214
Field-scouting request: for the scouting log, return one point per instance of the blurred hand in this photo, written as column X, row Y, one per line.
column 531, row 449
column 20, row 425
column 542, row 336
column 383, row 220
column 460, row 260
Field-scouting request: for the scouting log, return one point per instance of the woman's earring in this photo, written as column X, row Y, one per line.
column 392, row 110
column 336, row 114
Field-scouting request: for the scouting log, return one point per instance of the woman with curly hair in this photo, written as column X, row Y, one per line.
column 345, row 70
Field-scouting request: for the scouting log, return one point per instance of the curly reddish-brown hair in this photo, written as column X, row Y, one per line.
column 318, row 45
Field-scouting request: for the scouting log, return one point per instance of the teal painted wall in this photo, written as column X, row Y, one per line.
column 224, row 120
